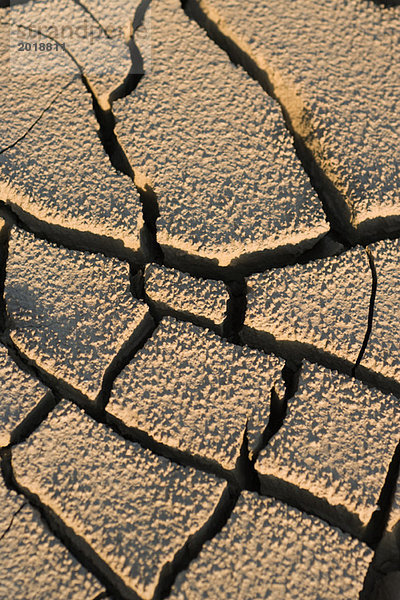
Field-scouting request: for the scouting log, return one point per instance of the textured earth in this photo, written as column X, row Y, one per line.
column 200, row 300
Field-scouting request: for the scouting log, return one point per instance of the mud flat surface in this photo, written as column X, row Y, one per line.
column 199, row 300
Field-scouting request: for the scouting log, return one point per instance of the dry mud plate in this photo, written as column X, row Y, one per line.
column 199, row 300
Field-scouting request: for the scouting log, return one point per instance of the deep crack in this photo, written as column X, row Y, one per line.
column 236, row 310
column 370, row 311
column 137, row 70
column 192, row 547
column 4, row 238
column 379, row 519
column 278, row 406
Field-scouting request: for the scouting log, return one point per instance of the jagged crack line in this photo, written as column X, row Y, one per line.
column 192, row 547
column 292, row 357
column 176, row 455
column 235, row 309
column 138, row 291
column 123, row 357
column 12, row 520
column 54, row 99
column 34, row 419
column 88, row 241
column 59, row 387
column 242, row 476
column 140, row 14
column 114, row 149
column 370, row 311
column 278, row 407
column 245, row 474
column 92, row 16
column 137, row 70
column 119, row 161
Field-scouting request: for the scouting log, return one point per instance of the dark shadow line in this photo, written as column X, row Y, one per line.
column 235, row 309
column 377, row 524
column 136, row 71
column 102, row 596
column 140, row 14
column 12, row 520
column 337, row 212
column 370, row 312
column 386, row 3
column 194, row 543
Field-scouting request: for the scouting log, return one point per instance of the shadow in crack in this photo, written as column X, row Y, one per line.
column 386, row 3
column 137, row 69
column 6, row 3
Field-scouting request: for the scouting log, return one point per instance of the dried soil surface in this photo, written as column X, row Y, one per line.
column 199, row 300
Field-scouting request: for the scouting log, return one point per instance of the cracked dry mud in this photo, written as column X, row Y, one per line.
column 200, row 300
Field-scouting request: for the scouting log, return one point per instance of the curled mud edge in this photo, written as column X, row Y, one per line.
column 331, row 191
column 185, row 258
column 296, row 351
column 335, row 193
column 62, row 235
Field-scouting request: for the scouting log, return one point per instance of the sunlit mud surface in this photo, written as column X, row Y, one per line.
column 199, row 300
